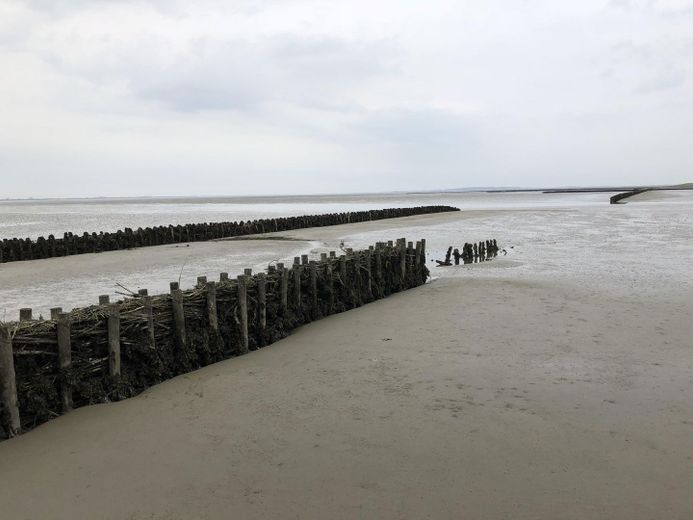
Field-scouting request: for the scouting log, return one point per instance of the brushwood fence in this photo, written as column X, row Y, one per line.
column 112, row 351
column 17, row 249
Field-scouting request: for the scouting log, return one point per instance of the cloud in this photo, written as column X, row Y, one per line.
column 394, row 94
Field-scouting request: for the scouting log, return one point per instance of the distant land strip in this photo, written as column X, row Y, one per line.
column 18, row 249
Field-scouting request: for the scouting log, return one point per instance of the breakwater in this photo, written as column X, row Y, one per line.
column 616, row 199
column 18, row 249
column 471, row 253
column 114, row 350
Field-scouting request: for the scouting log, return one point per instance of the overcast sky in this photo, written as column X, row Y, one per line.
column 156, row 97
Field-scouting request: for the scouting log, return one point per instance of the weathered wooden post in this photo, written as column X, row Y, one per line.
column 143, row 292
column 283, row 286
column 243, row 309
column 248, row 271
column 323, row 257
column 212, row 316
column 379, row 270
column 313, row 270
column 223, row 277
column 357, row 279
column 104, row 299
column 297, row 286
column 262, row 307
column 25, row 314
column 149, row 314
column 423, row 251
column 64, row 360
column 201, row 281
column 333, row 254
column 403, row 259
column 55, row 312
column 114, row 340
column 179, row 318
column 174, row 286
column 345, row 279
column 369, row 277
column 330, row 286
column 8, row 385
column 304, row 259
column 417, row 256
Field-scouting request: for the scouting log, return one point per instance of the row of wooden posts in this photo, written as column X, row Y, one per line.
column 375, row 273
column 17, row 249
column 471, row 253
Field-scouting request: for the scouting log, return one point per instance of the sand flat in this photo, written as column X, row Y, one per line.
column 526, row 405
column 553, row 382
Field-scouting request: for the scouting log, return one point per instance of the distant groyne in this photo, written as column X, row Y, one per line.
column 616, row 199
column 112, row 351
column 18, row 249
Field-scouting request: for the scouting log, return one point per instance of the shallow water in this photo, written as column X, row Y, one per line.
column 32, row 219
column 644, row 245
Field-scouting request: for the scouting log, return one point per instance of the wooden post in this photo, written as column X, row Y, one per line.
column 262, row 306
column 174, row 286
column 314, row 290
column 403, row 259
column 284, row 286
column 357, row 279
column 9, row 419
column 323, row 257
column 114, row 341
column 201, row 281
column 104, row 299
column 223, row 277
column 149, row 313
column 212, row 316
column 379, row 270
column 417, row 255
column 333, row 254
column 243, row 309
column 248, row 271
column 330, row 284
column 55, row 312
column 64, row 359
column 25, row 314
column 345, row 279
column 179, row 319
column 369, row 279
column 423, row 251
column 143, row 292
column 297, row 286
column 304, row 259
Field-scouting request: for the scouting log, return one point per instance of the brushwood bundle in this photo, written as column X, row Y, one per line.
column 112, row 351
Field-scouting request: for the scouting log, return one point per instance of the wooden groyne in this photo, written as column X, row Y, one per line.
column 616, row 199
column 470, row 253
column 114, row 350
column 18, row 249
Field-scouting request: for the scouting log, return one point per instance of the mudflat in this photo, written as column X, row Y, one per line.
column 553, row 382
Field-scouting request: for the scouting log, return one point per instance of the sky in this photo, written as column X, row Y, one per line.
column 240, row 97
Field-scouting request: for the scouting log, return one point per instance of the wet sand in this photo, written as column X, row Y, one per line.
column 553, row 382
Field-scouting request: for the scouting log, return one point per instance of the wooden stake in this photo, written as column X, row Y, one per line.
column 64, row 359
column 25, row 314
column 114, row 341
column 212, row 316
column 104, row 299
column 243, row 310
column 9, row 419
column 55, row 312
column 179, row 320
column 262, row 306
column 149, row 313
column 284, row 286
column 297, row 286
column 314, row 290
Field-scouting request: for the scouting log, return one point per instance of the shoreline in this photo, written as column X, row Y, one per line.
column 404, row 408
